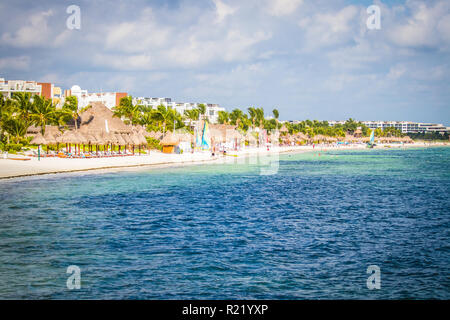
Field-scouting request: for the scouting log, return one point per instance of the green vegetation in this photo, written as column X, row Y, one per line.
column 429, row 136
column 350, row 126
column 160, row 119
column 24, row 110
column 153, row 143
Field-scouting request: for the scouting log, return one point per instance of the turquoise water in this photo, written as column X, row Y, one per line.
column 224, row 231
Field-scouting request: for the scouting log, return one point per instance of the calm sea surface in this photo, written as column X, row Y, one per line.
column 225, row 231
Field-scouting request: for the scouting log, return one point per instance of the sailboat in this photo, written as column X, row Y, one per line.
column 206, row 139
column 371, row 143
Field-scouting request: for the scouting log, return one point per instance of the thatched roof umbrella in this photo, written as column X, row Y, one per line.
column 49, row 138
column 134, row 137
column 159, row 135
column 90, row 138
column 250, row 137
column 54, row 130
column 301, row 136
column 38, row 139
column 121, row 141
column 127, row 139
column 110, row 138
column 145, row 133
column 33, row 130
column 319, row 137
column 99, row 118
column 365, row 139
column 332, row 139
column 80, row 137
column 142, row 139
column 349, row 138
column 67, row 137
column 169, row 139
column 98, row 138
column 407, row 139
column 217, row 134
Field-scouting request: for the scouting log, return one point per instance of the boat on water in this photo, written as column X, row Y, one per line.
column 371, row 143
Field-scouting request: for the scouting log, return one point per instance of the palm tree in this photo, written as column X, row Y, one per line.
column 260, row 116
column 162, row 114
column 192, row 115
column 236, row 116
column 175, row 118
column 70, row 108
column 43, row 112
column 23, row 103
column 252, row 113
column 201, row 110
column 15, row 127
column 126, row 109
column 224, row 117
column 6, row 111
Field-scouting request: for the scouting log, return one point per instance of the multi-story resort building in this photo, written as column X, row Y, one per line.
column 403, row 126
column 45, row 89
column 212, row 109
column 109, row 99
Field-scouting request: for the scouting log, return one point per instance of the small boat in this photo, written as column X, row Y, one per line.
column 371, row 143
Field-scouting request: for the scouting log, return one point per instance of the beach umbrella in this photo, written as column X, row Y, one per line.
column 158, row 135
column 66, row 137
column 121, row 141
column 49, row 138
column 145, row 133
column 169, row 139
column 142, row 139
column 80, row 138
column 39, row 139
column 135, row 139
column 127, row 139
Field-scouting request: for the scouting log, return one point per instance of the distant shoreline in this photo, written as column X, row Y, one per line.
column 12, row 169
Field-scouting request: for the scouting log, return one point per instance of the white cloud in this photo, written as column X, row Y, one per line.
column 396, row 71
column 15, row 63
column 223, row 10
column 33, row 33
column 427, row 26
column 282, row 7
column 234, row 46
column 138, row 62
column 137, row 36
column 326, row 29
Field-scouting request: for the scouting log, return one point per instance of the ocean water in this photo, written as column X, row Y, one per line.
column 224, row 231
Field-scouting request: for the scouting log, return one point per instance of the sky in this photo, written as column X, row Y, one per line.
column 310, row 59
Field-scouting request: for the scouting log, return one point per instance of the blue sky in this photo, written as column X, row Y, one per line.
column 310, row 59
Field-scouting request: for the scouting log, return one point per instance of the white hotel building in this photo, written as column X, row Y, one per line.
column 212, row 109
column 403, row 126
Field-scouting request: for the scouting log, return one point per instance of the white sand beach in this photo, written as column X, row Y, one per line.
column 11, row 167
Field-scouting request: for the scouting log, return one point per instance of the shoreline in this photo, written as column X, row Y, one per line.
column 13, row 169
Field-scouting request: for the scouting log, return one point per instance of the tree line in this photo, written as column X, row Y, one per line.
column 315, row 127
column 23, row 110
column 163, row 118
